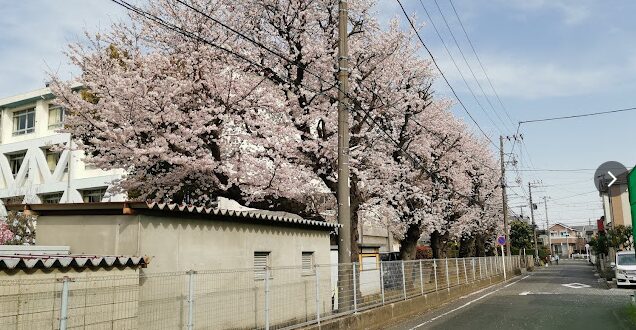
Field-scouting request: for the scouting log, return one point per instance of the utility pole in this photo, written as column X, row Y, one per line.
column 345, row 289
column 534, row 227
column 344, row 214
column 503, row 194
column 547, row 223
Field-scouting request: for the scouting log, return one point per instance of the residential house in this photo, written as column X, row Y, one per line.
column 36, row 165
column 616, row 204
column 566, row 240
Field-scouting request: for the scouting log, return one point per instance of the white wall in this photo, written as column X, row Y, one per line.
column 34, row 177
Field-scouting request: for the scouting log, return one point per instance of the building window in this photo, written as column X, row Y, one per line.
column 57, row 113
column 565, row 234
column 308, row 263
column 52, row 158
column 93, row 195
column 261, row 261
column 15, row 161
column 553, row 234
column 24, row 122
column 13, row 200
column 53, row 198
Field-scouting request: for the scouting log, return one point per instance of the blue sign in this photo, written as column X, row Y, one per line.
column 501, row 240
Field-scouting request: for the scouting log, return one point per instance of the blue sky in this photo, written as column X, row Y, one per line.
column 545, row 58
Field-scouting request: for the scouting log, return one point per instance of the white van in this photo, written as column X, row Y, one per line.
column 625, row 268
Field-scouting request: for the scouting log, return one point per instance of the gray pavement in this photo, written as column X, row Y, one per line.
column 536, row 300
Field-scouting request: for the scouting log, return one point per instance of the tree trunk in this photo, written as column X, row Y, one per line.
column 408, row 245
column 467, row 246
column 480, row 246
column 439, row 244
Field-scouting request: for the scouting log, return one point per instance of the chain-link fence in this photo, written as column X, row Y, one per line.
column 258, row 298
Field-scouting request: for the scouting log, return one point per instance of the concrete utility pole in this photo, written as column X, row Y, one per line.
column 534, row 227
column 345, row 289
column 547, row 223
column 344, row 214
column 503, row 194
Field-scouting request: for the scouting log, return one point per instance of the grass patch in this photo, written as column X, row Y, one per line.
column 631, row 313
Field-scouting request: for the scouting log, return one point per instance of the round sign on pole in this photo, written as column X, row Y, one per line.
column 501, row 240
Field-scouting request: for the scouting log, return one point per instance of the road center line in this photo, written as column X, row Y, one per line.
column 468, row 303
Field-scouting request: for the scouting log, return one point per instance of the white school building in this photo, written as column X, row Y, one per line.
column 31, row 169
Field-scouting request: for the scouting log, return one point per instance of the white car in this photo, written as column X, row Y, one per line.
column 625, row 268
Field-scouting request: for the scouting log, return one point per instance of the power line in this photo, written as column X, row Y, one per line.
column 444, row 76
column 461, row 52
column 576, row 116
column 585, row 193
column 319, row 77
column 191, row 35
column 461, row 74
column 480, row 63
column 562, row 169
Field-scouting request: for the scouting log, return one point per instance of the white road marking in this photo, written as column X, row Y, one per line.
column 525, row 293
column 576, row 285
column 468, row 303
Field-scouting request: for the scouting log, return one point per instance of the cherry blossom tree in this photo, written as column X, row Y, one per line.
column 238, row 99
column 17, row 229
column 255, row 121
column 6, row 235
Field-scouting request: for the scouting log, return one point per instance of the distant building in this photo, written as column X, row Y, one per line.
column 32, row 170
column 616, row 203
column 566, row 240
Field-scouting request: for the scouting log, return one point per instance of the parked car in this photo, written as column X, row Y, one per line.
column 625, row 268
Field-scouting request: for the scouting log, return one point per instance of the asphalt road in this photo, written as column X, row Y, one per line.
column 536, row 300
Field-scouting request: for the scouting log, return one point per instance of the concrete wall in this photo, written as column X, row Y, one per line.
column 178, row 244
column 97, row 298
column 207, row 246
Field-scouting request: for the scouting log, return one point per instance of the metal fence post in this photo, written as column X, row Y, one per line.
column 447, row 279
column 474, row 270
column 317, row 294
column 485, row 266
column 421, row 279
column 403, row 280
column 435, row 272
column 382, row 281
column 190, row 299
column 503, row 266
column 355, row 288
column 266, row 298
column 64, row 303
column 457, row 271
column 479, row 264
column 465, row 272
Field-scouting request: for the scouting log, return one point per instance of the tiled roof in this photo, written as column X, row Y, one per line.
column 64, row 261
column 250, row 214
column 131, row 208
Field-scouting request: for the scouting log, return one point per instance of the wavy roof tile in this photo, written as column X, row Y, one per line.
column 66, row 261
